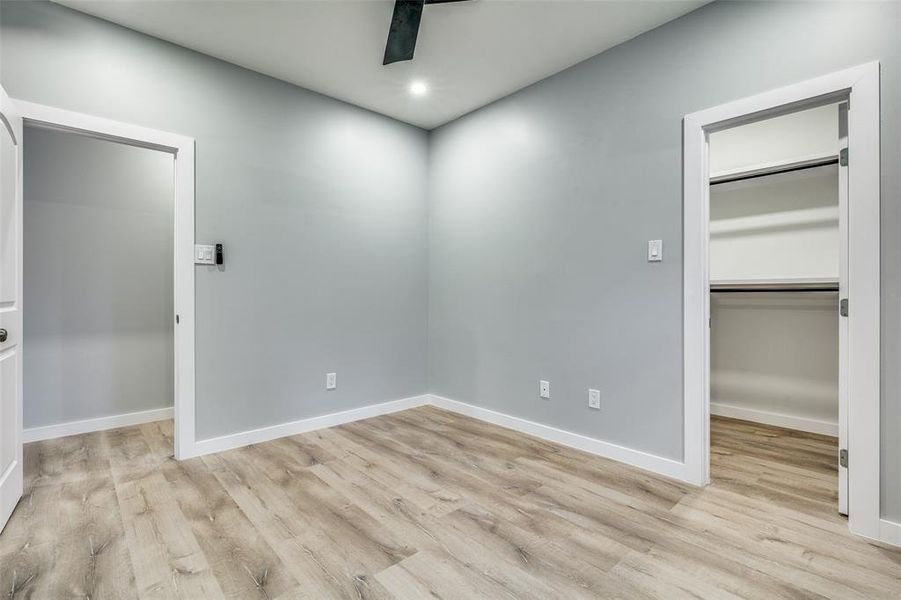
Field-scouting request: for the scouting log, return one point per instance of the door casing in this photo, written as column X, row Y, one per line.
column 860, row 87
column 182, row 148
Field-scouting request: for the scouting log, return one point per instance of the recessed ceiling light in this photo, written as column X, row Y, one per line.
column 418, row 88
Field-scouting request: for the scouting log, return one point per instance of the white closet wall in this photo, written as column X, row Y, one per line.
column 774, row 356
column 774, row 359
column 799, row 136
column 780, row 227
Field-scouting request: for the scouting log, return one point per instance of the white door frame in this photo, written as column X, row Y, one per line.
column 182, row 148
column 860, row 85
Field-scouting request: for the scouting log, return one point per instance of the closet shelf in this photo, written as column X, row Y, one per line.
column 801, row 284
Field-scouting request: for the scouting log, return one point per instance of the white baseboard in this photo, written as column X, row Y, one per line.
column 642, row 460
column 49, row 432
column 890, row 532
column 636, row 458
column 264, row 434
column 773, row 418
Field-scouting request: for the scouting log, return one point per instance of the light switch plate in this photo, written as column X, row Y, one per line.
column 331, row 381
column 594, row 399
column 544, row 389
column 655, row 250
column 204, row 254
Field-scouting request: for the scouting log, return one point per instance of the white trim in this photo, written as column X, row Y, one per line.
column 774, row 418
column 861, row 86
column 643, row 460
column 265, row 434
column 636, row 458
column 185, row 431
column 182, row 148
column 843, row 264
column 890, row 532
column 134, row 135
column 51, row 432
column 696, row 302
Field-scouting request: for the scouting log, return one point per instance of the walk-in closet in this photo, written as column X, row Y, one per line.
column 775, row 270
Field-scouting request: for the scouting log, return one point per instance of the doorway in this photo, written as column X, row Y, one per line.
column 98, row 335
column 181, row 148
column 778, row 268
column 15, row 115
column 858, row 424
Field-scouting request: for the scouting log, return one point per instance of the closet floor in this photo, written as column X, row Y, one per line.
column 430, row 504
column 784, row 467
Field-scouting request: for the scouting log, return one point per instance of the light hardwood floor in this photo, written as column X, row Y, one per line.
column 429, row 504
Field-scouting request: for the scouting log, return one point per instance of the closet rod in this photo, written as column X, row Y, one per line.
column 786, row 168
column 745, row 290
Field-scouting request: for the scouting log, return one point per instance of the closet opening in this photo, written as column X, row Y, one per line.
column 777, row 266
column 99, row 329
column 796, row 283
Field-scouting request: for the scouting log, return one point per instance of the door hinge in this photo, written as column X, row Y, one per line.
column 843, row 458
column 843, row 157
column 843, row 307
column 176, row 319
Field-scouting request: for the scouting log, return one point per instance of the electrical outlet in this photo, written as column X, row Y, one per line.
column 331, row 381
column 544, row 389
column 594, row 399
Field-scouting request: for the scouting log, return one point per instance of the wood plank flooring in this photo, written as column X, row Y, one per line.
column 429, row 504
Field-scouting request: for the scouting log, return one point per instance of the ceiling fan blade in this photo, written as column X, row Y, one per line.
column 403, row 32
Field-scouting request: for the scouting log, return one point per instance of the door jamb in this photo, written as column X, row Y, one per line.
column 860, row 85
column 182, row 149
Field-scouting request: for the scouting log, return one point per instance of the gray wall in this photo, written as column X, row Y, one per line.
column 542, row 204
column 98, row 278
column 321, row 207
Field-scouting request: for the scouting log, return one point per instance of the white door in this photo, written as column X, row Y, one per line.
column 10, row 308
column 843, row 369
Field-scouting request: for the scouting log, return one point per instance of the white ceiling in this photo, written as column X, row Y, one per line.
column 469, row 53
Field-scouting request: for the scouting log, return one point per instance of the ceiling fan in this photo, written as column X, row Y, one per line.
column 405, row 28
